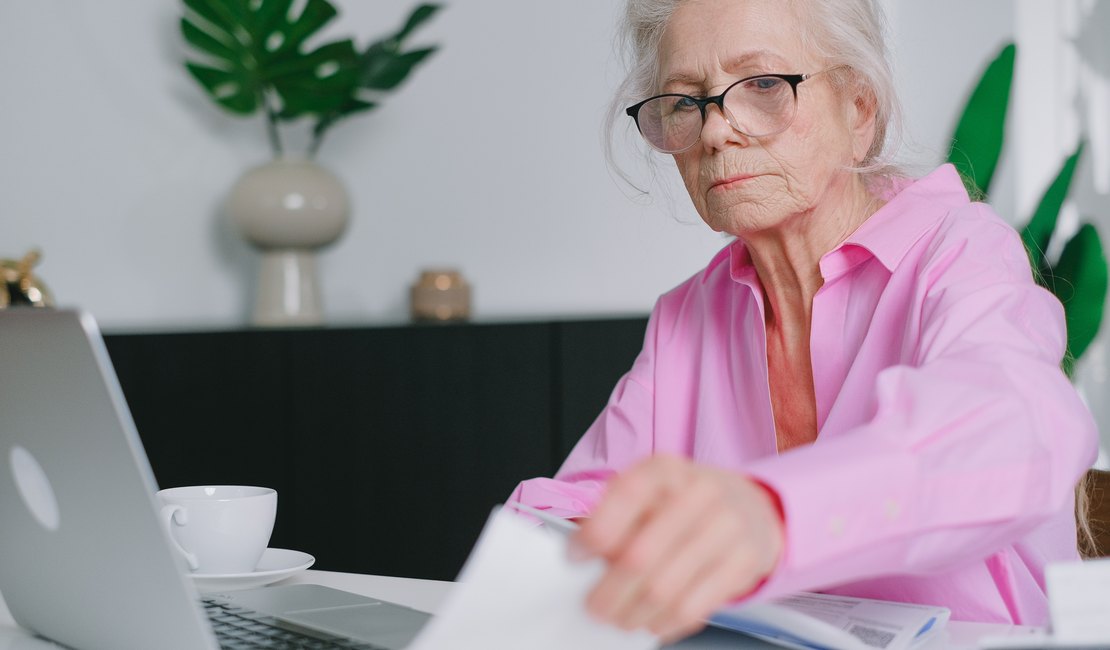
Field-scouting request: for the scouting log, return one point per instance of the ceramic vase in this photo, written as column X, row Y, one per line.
column 288, row 210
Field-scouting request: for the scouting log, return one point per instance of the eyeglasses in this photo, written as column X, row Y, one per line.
column 757, row 107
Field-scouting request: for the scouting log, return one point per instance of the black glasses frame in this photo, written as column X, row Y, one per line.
column 702, row 103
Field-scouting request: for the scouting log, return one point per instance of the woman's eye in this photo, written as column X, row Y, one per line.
column 685, row 104
column 764, row 83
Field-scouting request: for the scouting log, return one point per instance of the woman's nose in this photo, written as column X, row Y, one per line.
column 717, row 130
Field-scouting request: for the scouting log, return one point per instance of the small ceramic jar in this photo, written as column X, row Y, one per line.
column 440, row 295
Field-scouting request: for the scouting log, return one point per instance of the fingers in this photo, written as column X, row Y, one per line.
column 679, row 540
column 706, row 594
column 620, row 595
column 705, row 589
column 628, row 500
column 705, row 554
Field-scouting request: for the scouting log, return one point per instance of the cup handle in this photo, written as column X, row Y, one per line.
column 176, row 514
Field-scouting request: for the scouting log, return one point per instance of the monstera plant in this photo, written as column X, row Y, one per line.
column 1078, row 276
column 252, row 57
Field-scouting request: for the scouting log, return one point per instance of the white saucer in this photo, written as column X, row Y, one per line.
column 276, row 564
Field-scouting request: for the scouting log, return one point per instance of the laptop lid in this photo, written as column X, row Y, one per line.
column 83, row 559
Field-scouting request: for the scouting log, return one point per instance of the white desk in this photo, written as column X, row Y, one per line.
column 427, row 595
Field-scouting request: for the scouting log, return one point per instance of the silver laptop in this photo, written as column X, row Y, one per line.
column 83, row 559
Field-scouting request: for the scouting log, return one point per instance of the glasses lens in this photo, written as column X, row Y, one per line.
column 670, row 123
column 761, row 106
column 756, row 107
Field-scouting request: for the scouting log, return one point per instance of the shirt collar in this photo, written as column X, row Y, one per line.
column 887, row 235
column 740, row 263
column 912, row 208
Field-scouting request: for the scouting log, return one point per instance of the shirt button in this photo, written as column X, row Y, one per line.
column 892, row 509
column 836, row 526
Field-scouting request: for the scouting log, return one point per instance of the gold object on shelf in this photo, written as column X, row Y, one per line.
column 18, row 286
column 440, row 295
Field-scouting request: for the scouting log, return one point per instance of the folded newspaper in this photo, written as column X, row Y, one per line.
column 818, row 621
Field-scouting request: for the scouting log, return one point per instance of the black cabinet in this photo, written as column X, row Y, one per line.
column 388, row 446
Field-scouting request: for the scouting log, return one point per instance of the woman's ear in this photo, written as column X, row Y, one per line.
column 862, row 123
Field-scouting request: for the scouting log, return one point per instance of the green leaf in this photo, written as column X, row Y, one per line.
column 381, row 67
column 1037, row 234
column 224, row 15
column 318, row 82
column 226, row 88
column 269, row 19
column 977, row 140
column 1079, row 280
column 315, row 15
column 218, row 44
column 384, row 65
column 306, row 67
column 386, row 72
column 258, row 44
column 253, row 55
column 418, row 16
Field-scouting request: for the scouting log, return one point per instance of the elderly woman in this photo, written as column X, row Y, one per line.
column 861, row 394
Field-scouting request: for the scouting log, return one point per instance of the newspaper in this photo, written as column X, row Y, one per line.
column 810, row 621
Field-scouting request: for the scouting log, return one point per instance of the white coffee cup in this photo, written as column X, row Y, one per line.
column 219, row 529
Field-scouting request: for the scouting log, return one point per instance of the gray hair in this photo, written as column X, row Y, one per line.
column 849, row 33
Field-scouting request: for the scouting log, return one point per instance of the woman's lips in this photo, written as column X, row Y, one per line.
column 731, row 181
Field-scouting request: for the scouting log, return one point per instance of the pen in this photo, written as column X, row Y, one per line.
column 559, row 524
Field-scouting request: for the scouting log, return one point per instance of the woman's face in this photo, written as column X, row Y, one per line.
column 743, row 185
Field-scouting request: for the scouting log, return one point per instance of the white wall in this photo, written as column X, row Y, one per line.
column 941, row 48
column 489, row 159
column 1067, row 58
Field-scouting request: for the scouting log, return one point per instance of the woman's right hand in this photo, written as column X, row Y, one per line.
column 680, row 540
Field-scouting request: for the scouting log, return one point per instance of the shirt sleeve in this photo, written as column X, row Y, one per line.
column 976, row 442
column 621, row 435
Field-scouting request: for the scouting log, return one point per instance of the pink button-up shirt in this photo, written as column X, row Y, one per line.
column 949, row 440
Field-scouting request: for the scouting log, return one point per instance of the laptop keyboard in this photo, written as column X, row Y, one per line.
column 237, row 628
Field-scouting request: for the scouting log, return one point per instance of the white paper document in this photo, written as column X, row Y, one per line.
column 519, row 590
